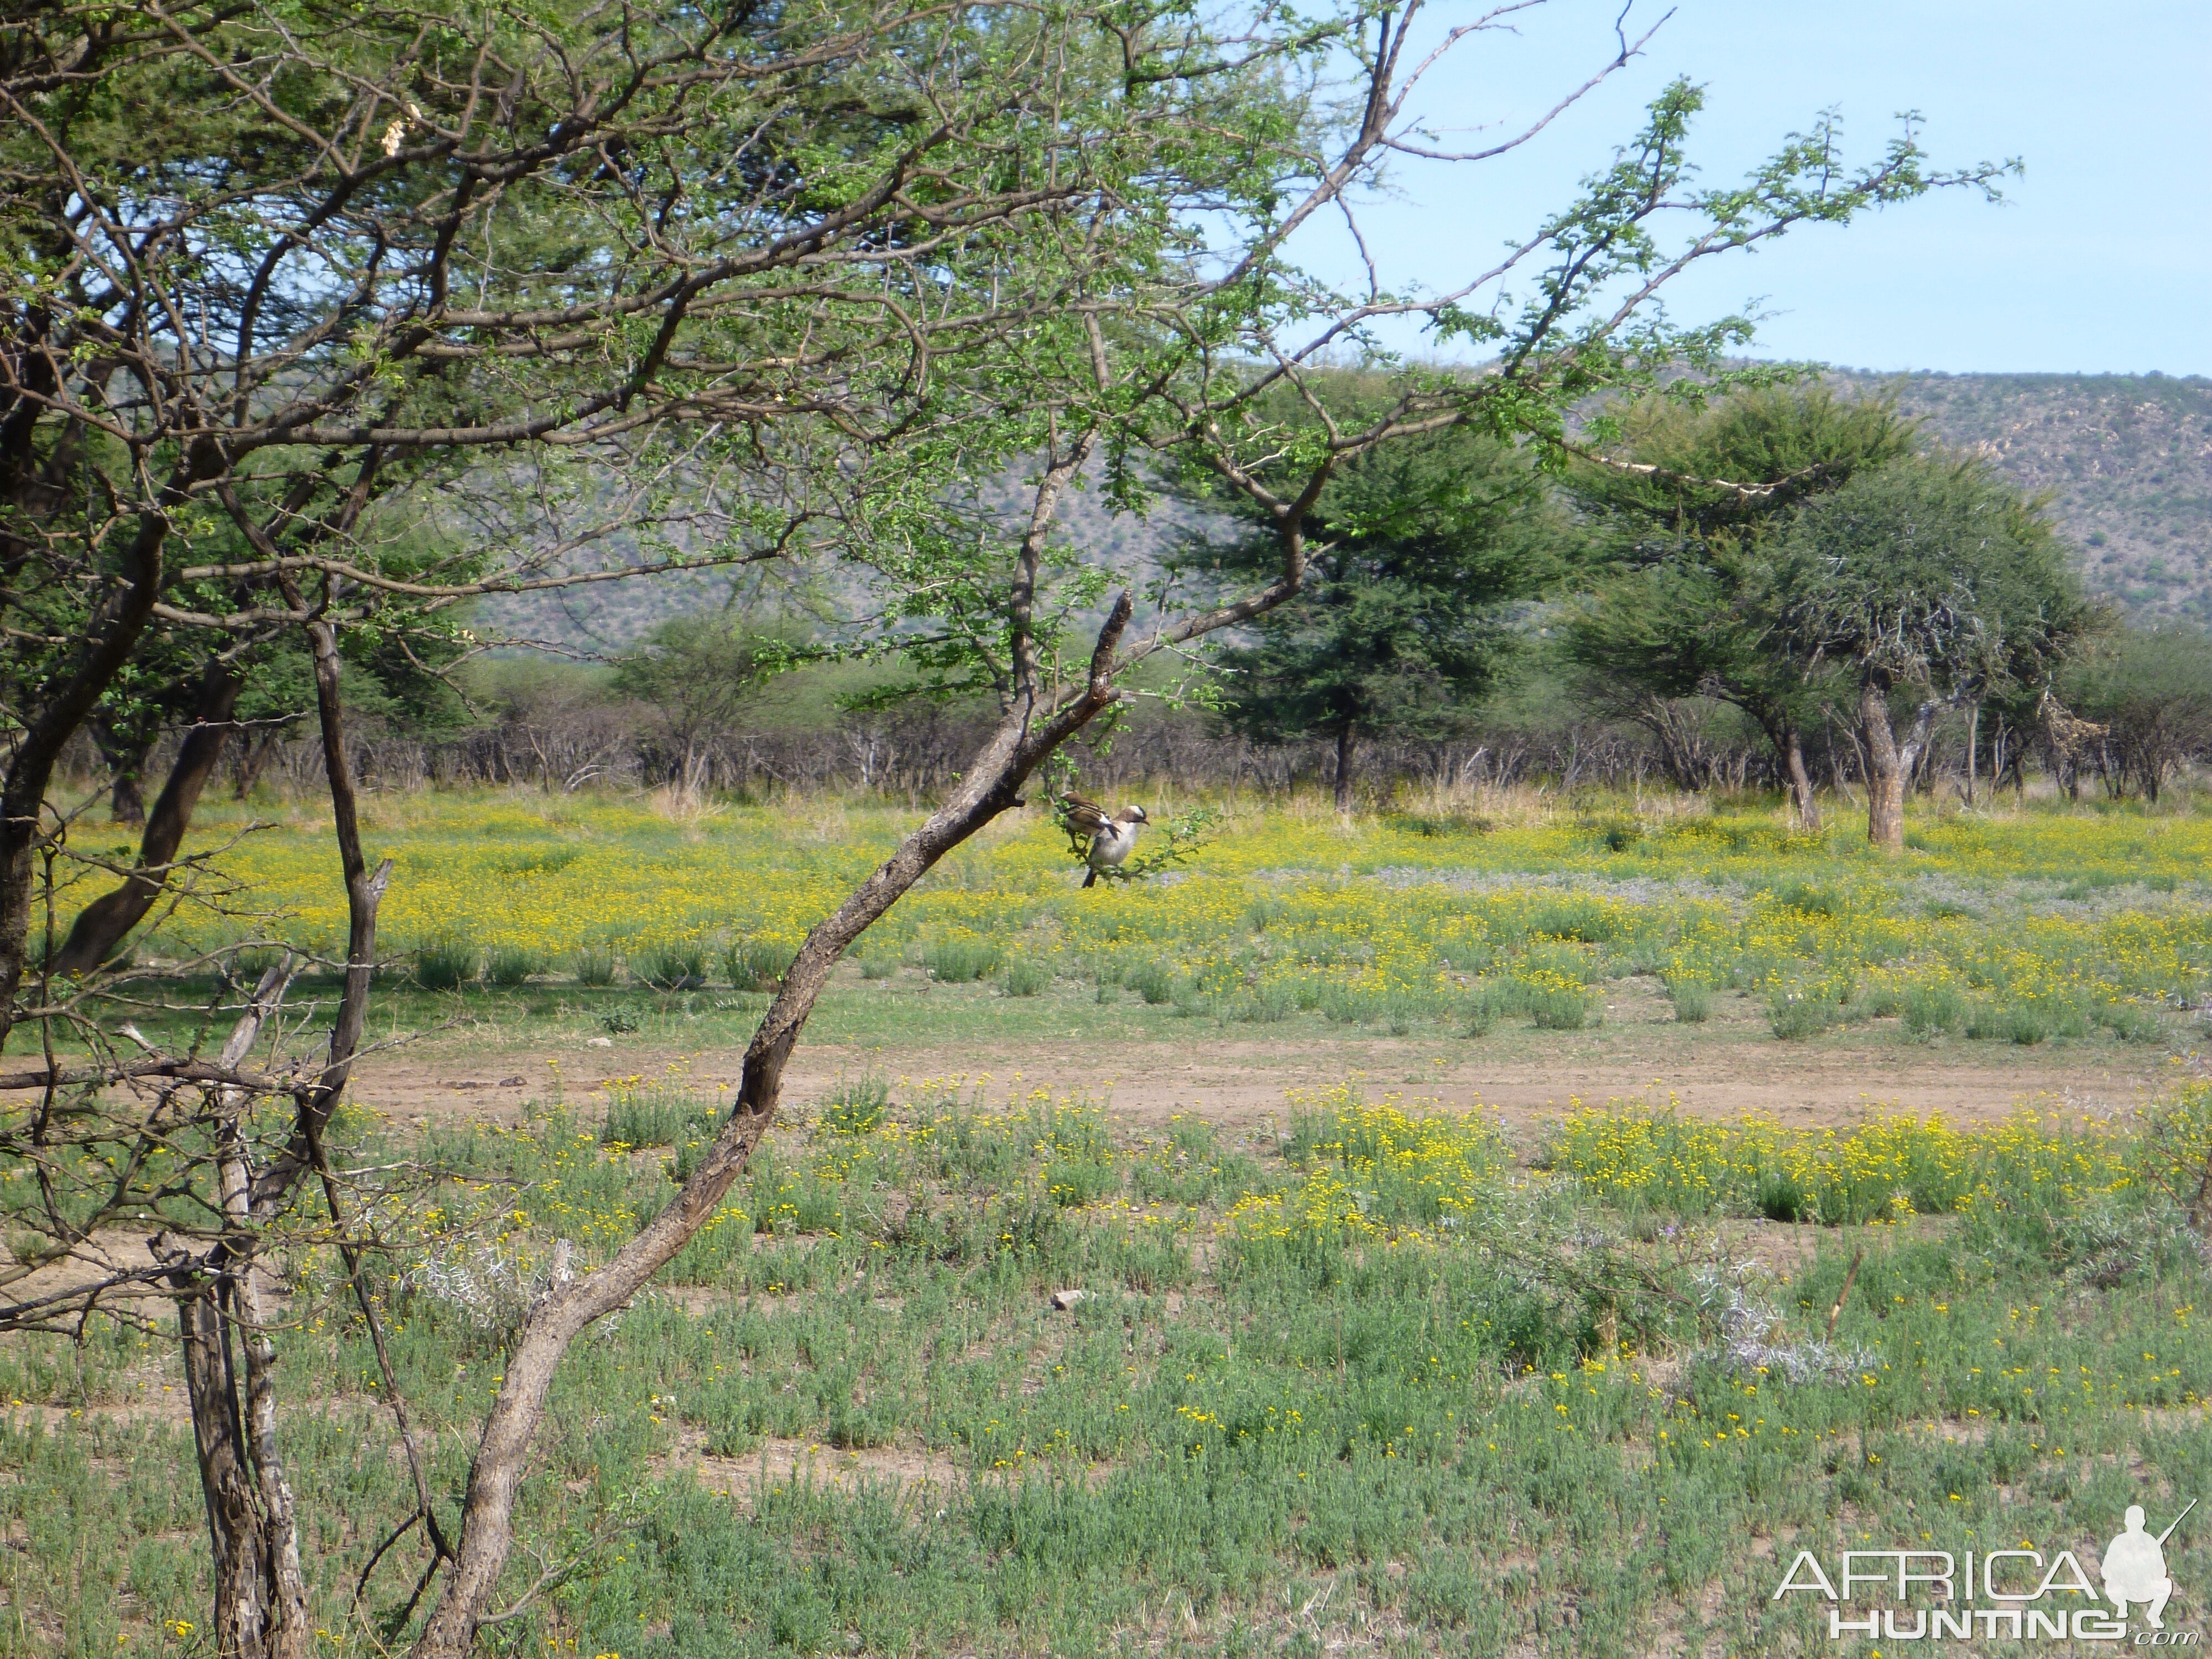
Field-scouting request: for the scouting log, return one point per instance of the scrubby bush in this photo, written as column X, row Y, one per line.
column 756, row 963
column 1025, row 976
column 675, row 968
column 1928, row 1010
column 651, row 1116
column 1555, row 1007
column 2019, row 1023
column 856, row 1106
column 594, row 965
column 962, row 959
column 1693, row 999
column 445, row 965
column 1487, row 1002
column 1795, row 1014
column 511, row 965
column 1151, row 981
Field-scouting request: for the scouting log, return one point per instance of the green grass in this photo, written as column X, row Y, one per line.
column 1319, row 1395
column 1267, row 1427
column 1386, row 924
column 959, row 961
column 1024, row 978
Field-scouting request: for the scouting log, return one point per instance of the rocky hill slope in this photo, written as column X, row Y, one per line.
column 2127, row 460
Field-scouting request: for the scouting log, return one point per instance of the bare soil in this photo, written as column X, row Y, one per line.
column 1239, row 1078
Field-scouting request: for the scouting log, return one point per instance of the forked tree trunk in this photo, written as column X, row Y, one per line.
column 1889, row 763
column 248, row 1607
column 1885, row 771
column 260, row 1597
column 255, row 756
column 102, row 925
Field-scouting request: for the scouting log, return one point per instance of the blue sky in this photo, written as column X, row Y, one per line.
column 2100, row 260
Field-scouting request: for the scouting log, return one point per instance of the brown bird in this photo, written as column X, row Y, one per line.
column 1100, row 841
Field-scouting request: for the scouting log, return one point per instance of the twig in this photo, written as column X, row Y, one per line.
column 1836, row 1312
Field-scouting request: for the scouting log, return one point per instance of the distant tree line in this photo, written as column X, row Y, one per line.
column 1779, row 589
column 2130, row 714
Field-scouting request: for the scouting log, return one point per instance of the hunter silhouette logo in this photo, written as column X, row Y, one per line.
column 2000, row 1595
column 2135, row 1566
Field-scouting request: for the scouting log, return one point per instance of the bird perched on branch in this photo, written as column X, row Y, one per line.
column 1100, row 841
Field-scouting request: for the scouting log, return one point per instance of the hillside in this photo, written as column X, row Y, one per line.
column 2127, row 459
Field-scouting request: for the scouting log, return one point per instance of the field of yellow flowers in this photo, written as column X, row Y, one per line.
column 2049, row 922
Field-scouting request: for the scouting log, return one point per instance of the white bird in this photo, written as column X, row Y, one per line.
column 1100, row 841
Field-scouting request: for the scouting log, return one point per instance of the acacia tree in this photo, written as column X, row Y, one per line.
column 1419, row 549
column 294, row 282
column 698, row 674
column 1932, row 579
column 1682, row 608
column 849, row 258
column 1200, row 382
column 2149, row 695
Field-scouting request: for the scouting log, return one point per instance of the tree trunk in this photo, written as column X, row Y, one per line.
column 1973, row 743
column 251, row 761
column 1347, row 744
column 126, row 798
column 991, row 784
column 1889, row 763
column 1801, row 782
column 101, row 926
column 260, row 1597
column 49, row 724
column 245, row 1614
column 1885, row 771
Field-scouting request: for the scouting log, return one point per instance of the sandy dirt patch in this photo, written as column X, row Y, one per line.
column 1240, row 1082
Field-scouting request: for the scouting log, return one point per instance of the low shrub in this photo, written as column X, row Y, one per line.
column 510, row 965
column 675, row 968
column 1929, row 1009
column 1025, row 976
column 2019, row 1023
column 755, row 963
column 856, row 1105
column 1693, row 999
column 1268, row 1002
column 962, row 960
column 1151, row 980
column 2129, row 1021
column 1487, row 1002
column 1556, row 1007
column 445, row 965
column 595, row 965
column 1795, row 1015
column 654, row 1117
